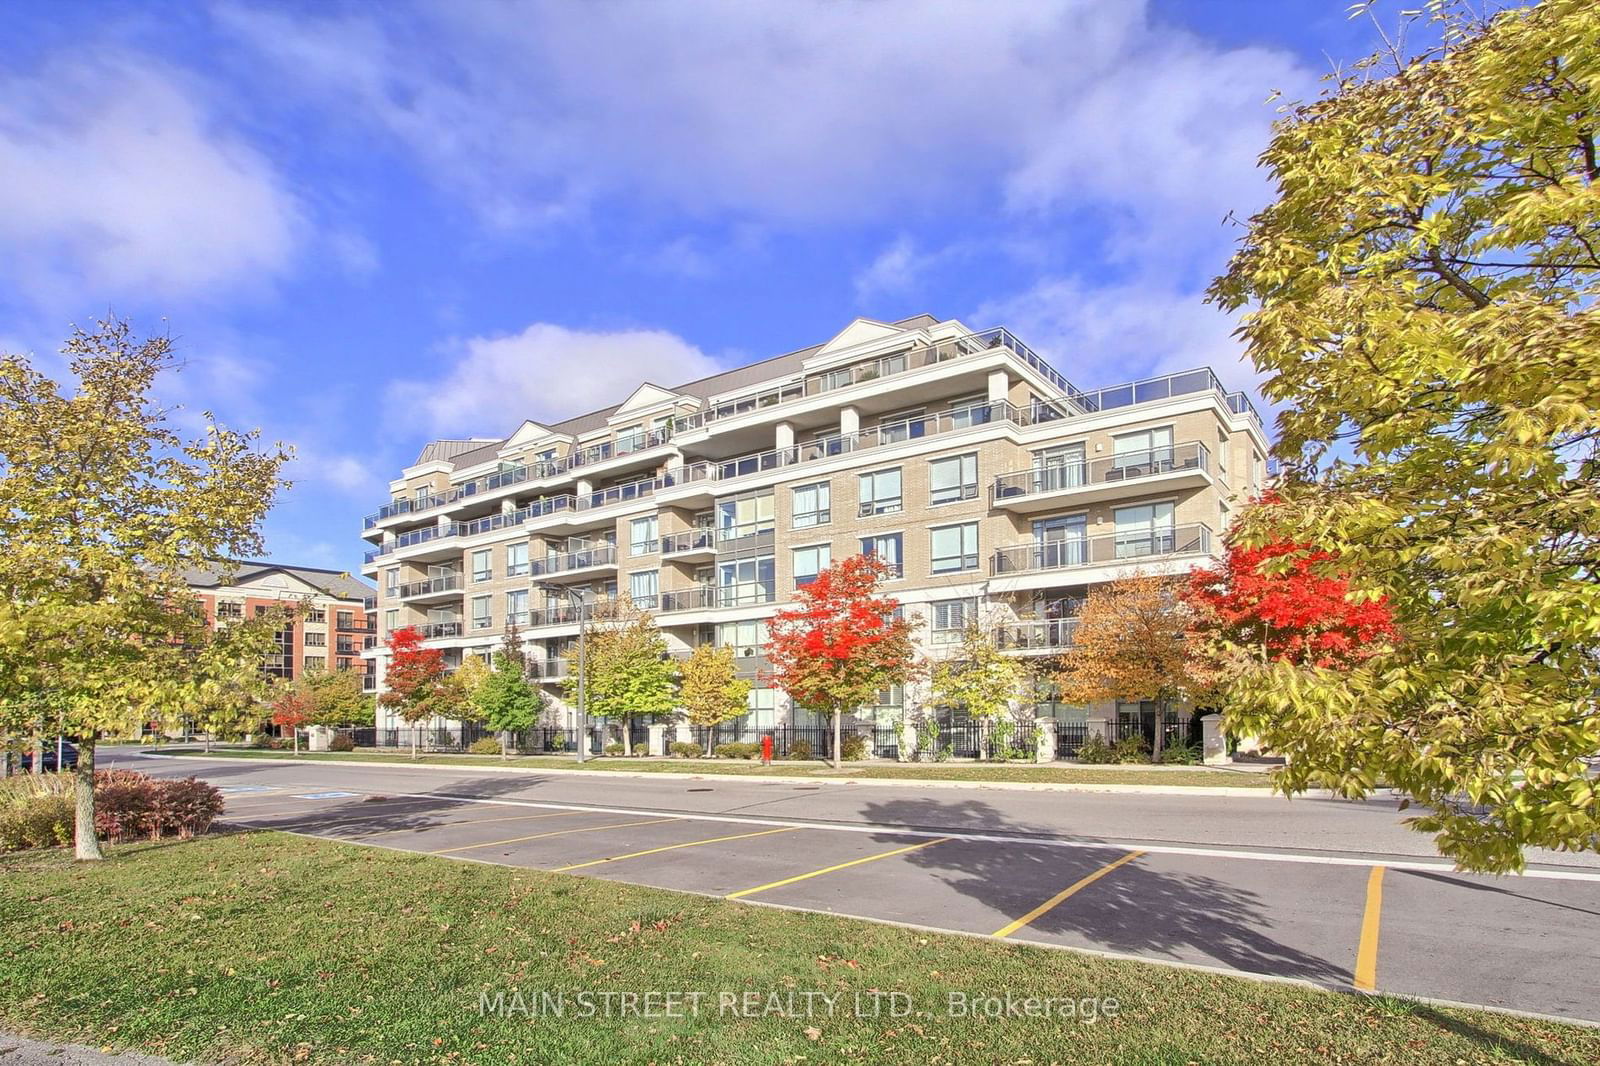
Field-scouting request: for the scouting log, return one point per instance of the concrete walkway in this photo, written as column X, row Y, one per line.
column 20, row 1051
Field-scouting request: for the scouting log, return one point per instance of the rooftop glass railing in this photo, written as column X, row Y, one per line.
column 1129, row 466
column 1128, row 547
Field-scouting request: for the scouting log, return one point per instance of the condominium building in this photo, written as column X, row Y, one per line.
column 998, row 490
column 333, row 631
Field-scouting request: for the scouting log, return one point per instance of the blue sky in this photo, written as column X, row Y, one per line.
column 372, row 224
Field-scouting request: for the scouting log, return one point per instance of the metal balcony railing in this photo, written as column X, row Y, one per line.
column 435, row 630
column 446, row 583
column 1111, row 548
column 695, row 540
column 1033, row 636
column 600, row 555
column 744, row 594
column 1129, row 466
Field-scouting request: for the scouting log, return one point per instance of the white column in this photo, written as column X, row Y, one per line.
column 849, row 420
column 585, row 486
column 783, row 436
column 999, row 386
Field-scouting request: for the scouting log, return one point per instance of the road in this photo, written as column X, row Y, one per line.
column 1339, row 894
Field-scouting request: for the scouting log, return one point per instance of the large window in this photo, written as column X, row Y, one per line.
column 885, row 547
column 391, row 582
column 517, row 607
column 643, row 585
column 951, row 619
column 1062, row 541
column 1142, row 450
column 809, row 562
column 482, row 565
column 742, row 581
column 763, row 704
column 517, row 559
column 744, row 517
column 1144, row 529
column 955, row 548
column 1061, row 467
column 314, row 640
column 230, row 609
column 391, row 621
column 953, row 479
column 315, row 663
column 880, row 492
column 811, row 505
column 642, row 538
column 745, row 638
column 480, row 613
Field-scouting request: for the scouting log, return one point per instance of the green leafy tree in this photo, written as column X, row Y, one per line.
column 223, row 690
column 979, row 677
column 338, row 699
column 711, row 691
column 628, row 670
column 506, row 701
column 1422, row 297
column 102, row 508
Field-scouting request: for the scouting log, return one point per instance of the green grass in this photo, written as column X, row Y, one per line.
column 1022, row 772
column 266, row 947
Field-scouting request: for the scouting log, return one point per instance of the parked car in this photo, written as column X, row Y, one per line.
column 69, row 757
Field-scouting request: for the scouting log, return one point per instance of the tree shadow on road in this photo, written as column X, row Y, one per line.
column 376, row 813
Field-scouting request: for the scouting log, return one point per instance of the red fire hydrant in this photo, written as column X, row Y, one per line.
column 766, row 748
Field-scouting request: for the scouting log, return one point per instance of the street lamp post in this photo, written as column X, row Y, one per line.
column 583, row 672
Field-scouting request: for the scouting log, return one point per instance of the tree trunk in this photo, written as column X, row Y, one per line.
column 1161, row 729
column 208, row 742
column 86, row 843
column 38, row 749
column 413, row 743
column 296, row 731
column 838, row 755
column 505, row 743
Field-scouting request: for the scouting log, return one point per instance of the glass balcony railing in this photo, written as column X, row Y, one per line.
column 695, row 540
column 1127, row 547
column 1129, row 466
column 744, row 594
column 447, row 583
column 1032, row 636
column 436, row 630
column 582, row 559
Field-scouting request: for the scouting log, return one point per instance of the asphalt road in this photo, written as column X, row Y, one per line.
column 1330, row 892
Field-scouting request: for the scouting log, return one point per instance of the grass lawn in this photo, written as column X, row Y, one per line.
column 266, row 947
column 1028, row 772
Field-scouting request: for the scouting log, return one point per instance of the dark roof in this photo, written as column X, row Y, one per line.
column 736, row 378
column 336, row 583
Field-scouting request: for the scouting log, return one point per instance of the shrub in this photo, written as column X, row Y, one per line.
column 853, row 747
column 1094, row 749
column 944, row 754
column 687, row 749
column 641, row 749
column 484, row 746
column 342, row 742
column 1180, row 754
column 1131, row 749
column 616, row 748
column 555, row 742
column 35, row 811
column 735, row 751
column 134, row 806
column 801, row 749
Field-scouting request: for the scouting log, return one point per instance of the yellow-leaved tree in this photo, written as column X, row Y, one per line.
column 711, row 690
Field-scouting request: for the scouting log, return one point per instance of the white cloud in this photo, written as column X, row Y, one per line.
column 118, row 183
column 895, row 270
column 546, row 372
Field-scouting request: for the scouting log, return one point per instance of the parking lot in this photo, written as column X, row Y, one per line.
column 959, row 861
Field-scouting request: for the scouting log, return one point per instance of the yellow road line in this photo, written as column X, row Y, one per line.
column 830, row 869
column 557, row 833
column 1366, row 978
column 673, row 847
column 469, row 821
column 1072, row 889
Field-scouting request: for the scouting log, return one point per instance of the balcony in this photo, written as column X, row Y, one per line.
column 1048, row 487
column 705, row 597
column 437, row 630
column 432, row 587
column 1115, row 549
column 583, row 561
column 685, row 545
column 1048, row 636
column 565, row 615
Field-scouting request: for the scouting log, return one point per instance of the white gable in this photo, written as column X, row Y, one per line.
column 526, row 433
column 645, row 396
column 861, row 331
column 276, row 581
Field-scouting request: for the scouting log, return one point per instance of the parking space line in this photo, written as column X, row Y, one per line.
column 1060, row 897
column 557, row 833
column 1366, row 975
column 470, row 821
column 671, row 847
column 830, row 869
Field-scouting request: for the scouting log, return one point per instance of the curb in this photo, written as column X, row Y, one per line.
column 1222, row 791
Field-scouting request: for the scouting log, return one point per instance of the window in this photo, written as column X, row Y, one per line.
column 955, row 478
column 480, row 613
column 969, row 411
column 315, row 663
column 642, row 535
column 517, row 559
column 951, row 619
column 1142, row 452
column 482, row 565
column 745, row 638
column 316, row 640
column 1062, row 467
column 1222, row 455
column 887, row 548
column 643, row 586
column 230, row 609
column 745, row 517
column 317, row 615
column 811, row 505
column 763, row 704
column 517, row 607
column 745, row 581
column 1062, row 541
column 391, row 621
column 955, row 548
column 344, row 620
column 1145, row 529
column 391, row 583
column 880, row 492
column 809, row 562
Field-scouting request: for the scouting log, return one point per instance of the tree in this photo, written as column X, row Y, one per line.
column 842, row 643
column 979, row 677
column 627, row 665
column 506, row 701
column 223, row 688
column 469, row 678
column 291, row 709
column 1133, row 642
column 417, row 687
column 338, row 698
column 1423, row 294
column 102, row 508
column 712, row 692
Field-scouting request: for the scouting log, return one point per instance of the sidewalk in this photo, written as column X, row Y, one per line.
column 20, row 1051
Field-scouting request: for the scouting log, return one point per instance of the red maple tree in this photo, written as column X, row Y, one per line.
column 416, row 684
column 291, row 710
column 842, row 642
column 1302, row 615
